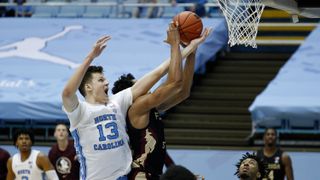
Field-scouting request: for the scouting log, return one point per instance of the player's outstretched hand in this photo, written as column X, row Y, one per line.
column 173, row 36
column 196, row 42
column 100, row 45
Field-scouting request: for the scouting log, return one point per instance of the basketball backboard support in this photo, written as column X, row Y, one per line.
column 306, row 8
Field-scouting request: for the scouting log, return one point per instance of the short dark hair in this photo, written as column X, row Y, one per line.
column 125, row 81
column 88, row 76
column 270, row 128
column 24, row 131
column 261, row 164
column 61, row 123
column 177, row 172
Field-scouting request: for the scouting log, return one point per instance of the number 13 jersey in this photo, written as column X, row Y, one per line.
column 100, row 137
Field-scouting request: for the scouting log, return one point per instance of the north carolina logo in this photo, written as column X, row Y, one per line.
column 63, row 165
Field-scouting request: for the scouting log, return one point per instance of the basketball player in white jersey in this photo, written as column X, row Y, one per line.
column 98, row 124
column 28, row 164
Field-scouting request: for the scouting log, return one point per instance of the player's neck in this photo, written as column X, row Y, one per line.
column 25, row 155
column 63, row 144
column 94, row 101
column 269, row 150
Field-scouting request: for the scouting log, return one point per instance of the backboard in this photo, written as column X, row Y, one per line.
column 307, row 8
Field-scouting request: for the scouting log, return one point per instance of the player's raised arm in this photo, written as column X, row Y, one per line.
column 175, row 68
column 183, row 92
column 145, row 103
column 69, row 98
column 144, row 84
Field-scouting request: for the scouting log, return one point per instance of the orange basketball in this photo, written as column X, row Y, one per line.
column 190, row 26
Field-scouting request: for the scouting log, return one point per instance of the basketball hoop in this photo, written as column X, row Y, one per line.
column 243, row 18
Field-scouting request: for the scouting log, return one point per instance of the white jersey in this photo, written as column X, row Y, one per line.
column 101, row 139
column 27, row 169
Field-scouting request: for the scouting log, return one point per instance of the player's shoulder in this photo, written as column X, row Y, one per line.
column 10, row 160
column 260, row 152
column 53, row 148
column 122, row 93
column 41, row 158
column 280, row 151
column 285, row 155
column 16, row 156
column 70, row 146
column 40, row 154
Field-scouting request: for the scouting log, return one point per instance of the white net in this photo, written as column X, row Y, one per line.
column 243, row 18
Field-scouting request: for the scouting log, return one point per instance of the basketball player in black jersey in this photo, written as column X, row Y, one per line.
column 278, row 163
column 144, row 125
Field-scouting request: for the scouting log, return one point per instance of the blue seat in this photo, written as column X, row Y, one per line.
column 71, row 11
column 45, row 11
column 171, row 11
column 97, row 11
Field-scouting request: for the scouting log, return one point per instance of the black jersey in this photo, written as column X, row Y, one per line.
column 274, row 165
column 148, row 148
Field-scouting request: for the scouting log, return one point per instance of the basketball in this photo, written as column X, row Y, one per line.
column 190, row 26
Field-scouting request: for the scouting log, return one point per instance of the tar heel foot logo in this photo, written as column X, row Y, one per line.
column 17, row 83
column 31, row 48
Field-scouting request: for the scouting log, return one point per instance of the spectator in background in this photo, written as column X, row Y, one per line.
column 63, row 154
column 278, row 162
column 198, row 6
column 4, row 156
column 7, row 11
column 213, row 11
column 3, row 9
column 148, row 12
column 22, row 10
column 250, row 167
column 28, row 163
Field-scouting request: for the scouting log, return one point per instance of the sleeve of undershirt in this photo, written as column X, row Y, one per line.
column 51, row 175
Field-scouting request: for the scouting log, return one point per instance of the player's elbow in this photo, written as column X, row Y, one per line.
column 183, row 92
column 179, row 91
column 66, row 93
column 186, row 93
column 178, row 84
